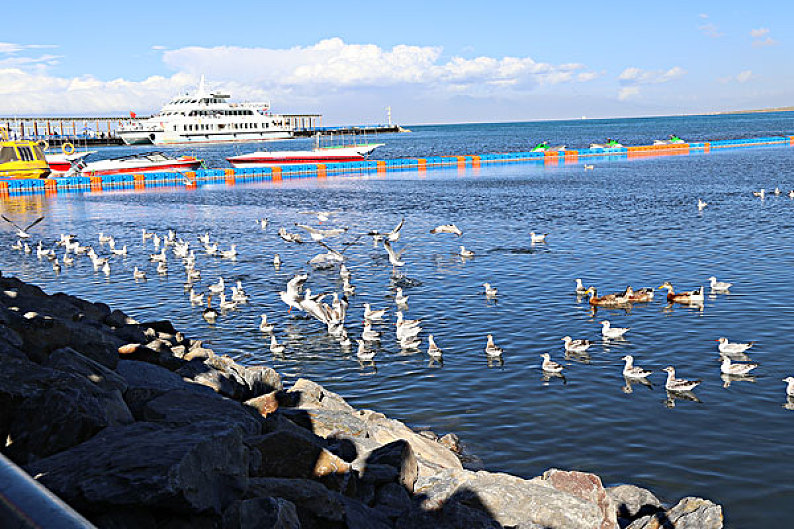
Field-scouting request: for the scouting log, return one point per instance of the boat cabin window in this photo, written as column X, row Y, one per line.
column 26, row 154
column 7, row 154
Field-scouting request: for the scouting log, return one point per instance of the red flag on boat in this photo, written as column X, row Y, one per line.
column 132, row 114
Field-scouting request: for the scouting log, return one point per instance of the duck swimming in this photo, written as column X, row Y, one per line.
column 608, row 300
column 691, row 296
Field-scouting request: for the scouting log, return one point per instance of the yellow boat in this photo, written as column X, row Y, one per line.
column 21, row 158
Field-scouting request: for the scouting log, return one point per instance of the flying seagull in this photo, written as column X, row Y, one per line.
column 22, row 233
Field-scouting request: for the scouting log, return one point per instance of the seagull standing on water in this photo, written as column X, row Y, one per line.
column 433, row 350
column 632, row 371
column 678, row 384
column 580, row 288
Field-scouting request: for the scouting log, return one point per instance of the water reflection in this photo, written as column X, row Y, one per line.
column 628, row 387
column 672, row 396
column 727, row 380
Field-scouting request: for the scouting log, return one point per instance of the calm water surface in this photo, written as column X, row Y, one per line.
column 626, row 222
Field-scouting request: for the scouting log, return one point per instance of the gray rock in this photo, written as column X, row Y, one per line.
column 184, row 406
column 312, row 499
column 146, row 381
column 508, row 500
column 130, row 518
column 261, row 513
column 399, row 455
column 392, row 499
column 689, row 513
column 44, row 411
column 587, row 487
column 327, row 422
column 308, row 394
column 160, row 326
column 68, row 360
column 289, row 454
column 197, row 468
column 224, row 376
column 633, row 502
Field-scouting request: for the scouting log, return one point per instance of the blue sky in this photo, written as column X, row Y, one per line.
column 432, row 62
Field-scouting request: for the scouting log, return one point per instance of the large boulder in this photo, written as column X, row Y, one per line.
column 181, row 407
column 307, row 394
column 290, row 454
column 261, row 513
column 198, row 468
column 689, row 513
column 70, row 361
column 508, row 499
column 399, row 455
column 587, row 487
column 44, row 411
column 223, row 375
column 633, row 502
column 147, row 381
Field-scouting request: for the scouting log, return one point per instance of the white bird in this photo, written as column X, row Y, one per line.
column 68, row 260
column 158, row 257
column 363, row 353
column 122, row 251
column 231, row 253
column 727, row 347
column 447, row 228
column 730, row 368
column 106, row 269
column 292, row 296
column 27, row 248
column 204, row 239
column 760, row 194
column 322, row 216
column 263, row 223
column 394, row 235
column 580, row 288
column 537, row 237
column 104, row 238
column 492, row 349
column 549, row 365
column 275, row 347
column 576, row 346
column 400, row 298
column 211, row 249
column 17, row 245
column 433, row 350
column 410, row 341
column 489, row 290
column 217, row 288
column 719, row 286
column 344, row 272
column 465, row 253
column 347, row 287
column 55, row 266
column 394, row 257
column 277, row 260
column 195, row 298
column 777, row 191
column 607, row 331
column 370, row 314
column 632, row 371
column 138, row 274
column 318, row 235
column 678, row 384
column 239, row 296
column 289, row 237
column 368, row 334
column 790, row 386
column 146, row 234
column 162, row 268
column 226, row 304
column 589, row 167
column 264, row 326
column 791, row 194
column 702, row 204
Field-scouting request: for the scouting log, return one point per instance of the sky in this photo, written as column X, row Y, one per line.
column 431, row 62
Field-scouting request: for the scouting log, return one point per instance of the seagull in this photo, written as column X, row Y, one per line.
column 589, row 167
column 275, row 347
column 580, row 288
column 138, row 274
column 292, row 296
column 370, row 314
column 204, row 239
column 727, row 347
column 549, row 365
column 217, row 288
column 489, row 290
column 632, row 371
column 576, row 346
column 394, row 257
column 226, row 305
column 146, row 234
column 760, row 194
column 344, row 272
column 106, row 269
column 68, row 260
column 392, row 236
column 363, row 353
column 777, row 191
column 211, row 249
column 790, row 386
column 410, row 341
column 264, row 326
column 537, row 237
column 612, row 332
column 702, row 205
column 231, row 253
column 368, row 334
column 730, row 368
column 195, row 298
column 158, row 257
column 263, row 223
column 17, row 245
column 433, row 350
column 55, row 266
column 322, row 216
column 347, row 287
column 791, row 194
column 116, row 251
column 492, row 349
column 719, row 286
column 277, row 260
column 22, row 233
column 238, row 296
column 465, row 253
column 104, row 238
column 447, row 228
column 678, row 384
column 319, row 235
column 289, row 237
column 400, row 298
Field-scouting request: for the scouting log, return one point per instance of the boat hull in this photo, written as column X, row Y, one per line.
column 175, row 165
column 322, row 155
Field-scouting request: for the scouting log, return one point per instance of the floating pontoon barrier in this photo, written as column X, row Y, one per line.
column 276, row 173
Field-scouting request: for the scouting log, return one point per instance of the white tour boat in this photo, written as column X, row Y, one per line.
column 341, row 153
column 206, row 117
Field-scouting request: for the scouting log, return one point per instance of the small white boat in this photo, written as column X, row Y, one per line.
column 61, row 163
column 138, row 163
column 344, row 153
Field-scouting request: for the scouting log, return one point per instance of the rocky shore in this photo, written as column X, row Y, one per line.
column 137, row 426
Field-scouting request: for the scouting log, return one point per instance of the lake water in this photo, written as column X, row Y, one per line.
column 626, row 222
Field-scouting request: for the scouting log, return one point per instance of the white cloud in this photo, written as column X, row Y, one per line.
column 634, row 76
column 758, row 33
column 159, row 48
column 759, row 40
column 744, row 76
column 769, row 41
column 711, row 30
column 628, row 92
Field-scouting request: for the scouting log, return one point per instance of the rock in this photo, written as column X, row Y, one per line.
column 129, row 518
column 587, row 487
column 264, row 404
column 117, row 319
column 508, row 499
column 399, row 455
column 261, row 379
column 160, row 326
column 179, row 351
column 70, row 361
column 146, row 381
column 139, row 353
column 198, row 468
column 633, row 502
column 288, row 454
column 197, row 353
column 160, row 346
column 689, row 513
column 378, row 474
column 431, row 455
column 452, row 442
column 228, row 378
column 261, row 513
column 308, row 394
column 181, row 407
column 44, row 411
column 392, row 499
column 327, row 423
